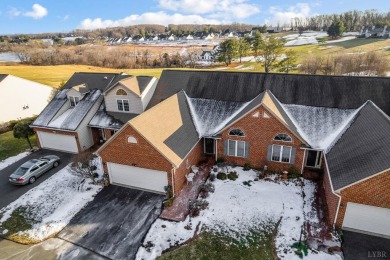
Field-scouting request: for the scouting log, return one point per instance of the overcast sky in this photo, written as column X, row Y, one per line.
column 25, row 16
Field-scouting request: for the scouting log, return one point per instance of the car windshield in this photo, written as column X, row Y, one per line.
column 21, row 171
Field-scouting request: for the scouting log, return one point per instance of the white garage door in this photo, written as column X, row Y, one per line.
column 60, row 142
column 139, row 178
column 367, row 219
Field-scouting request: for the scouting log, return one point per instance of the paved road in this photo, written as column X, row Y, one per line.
column 358, row 246
column 9, row 192
column 115, row 222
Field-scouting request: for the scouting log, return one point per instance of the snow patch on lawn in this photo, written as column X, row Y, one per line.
column 13, row 159
column 234, row 209
column 53, row 203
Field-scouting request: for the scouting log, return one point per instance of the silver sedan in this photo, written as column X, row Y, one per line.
column 29, row 171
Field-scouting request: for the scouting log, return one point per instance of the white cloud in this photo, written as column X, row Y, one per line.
column 66, row 17
column 225, row 9
column 37, row 12
column 147, row 18
column 279, row 16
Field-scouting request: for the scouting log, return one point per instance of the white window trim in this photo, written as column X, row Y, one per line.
column 281, row 153
column 237, row 135
column 318, row 159
column 73, row 98
column 132, row 140
column 283, row 140
column 122, row 99
column 235, row 148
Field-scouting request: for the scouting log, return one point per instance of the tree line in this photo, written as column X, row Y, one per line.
column 353, row 20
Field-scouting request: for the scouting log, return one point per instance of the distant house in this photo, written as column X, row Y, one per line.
column 198, row 35
column 21, row 98
column 373, row 32
column 207, row 56
column 208, row 36
column 163, row 37
column 151, row 38
column 171, row 37
column 138, row 38
column 90, row 108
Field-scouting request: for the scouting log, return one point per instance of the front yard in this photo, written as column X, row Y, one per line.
column 245, row 219
column 46, row 209
column 11, row 146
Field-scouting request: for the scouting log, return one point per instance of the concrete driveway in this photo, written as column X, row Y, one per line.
column 358, row 246
column 9, row 192
column 115, row 222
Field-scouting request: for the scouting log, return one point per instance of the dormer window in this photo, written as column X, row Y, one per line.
column 283, row 138
column 236, row 132
column 123, row 105
column 121, row 92
column 74, row 101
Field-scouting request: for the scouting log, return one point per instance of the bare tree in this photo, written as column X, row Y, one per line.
column 84, row 165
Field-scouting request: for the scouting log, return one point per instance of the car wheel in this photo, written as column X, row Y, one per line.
column 32, row 180
column 55, row 164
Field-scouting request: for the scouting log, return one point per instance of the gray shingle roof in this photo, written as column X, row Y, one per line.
column 73, row 117
column 363, row 150
column 311, row 90
column 3, row 76
column 122, row 117
column 143, row 82
column 94, row 80
column 51, row 109
column 186, row 137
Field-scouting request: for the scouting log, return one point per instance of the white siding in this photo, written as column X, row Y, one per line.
column 73, row 93
column 83, row 131
column 148, row 93
column 135, row 103
column 15, row 93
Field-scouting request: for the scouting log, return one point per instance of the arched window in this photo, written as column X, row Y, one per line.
column 236, row 132
column 121, row 92
column 131, row 139
column 283, row 138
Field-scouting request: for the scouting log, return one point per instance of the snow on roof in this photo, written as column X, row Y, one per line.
column 71, row 118
column 102, row 120
column 211, row 115
column 60, row 120
column 319, row 126
column 80, row 110
column 51, row 109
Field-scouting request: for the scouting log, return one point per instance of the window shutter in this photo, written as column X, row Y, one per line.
column 246, row 149
column 225, row 147
column 293, row 152
column 269, row 152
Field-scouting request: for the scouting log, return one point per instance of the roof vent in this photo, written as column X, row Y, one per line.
column 105, row 77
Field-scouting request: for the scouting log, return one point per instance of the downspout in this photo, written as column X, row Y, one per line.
column 303, row 161
column 216, row 149
column 173, row 181
column 331, row 185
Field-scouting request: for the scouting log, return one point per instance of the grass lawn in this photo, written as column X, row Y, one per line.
column 54, row 75
column 214, row 246
column 10, row 146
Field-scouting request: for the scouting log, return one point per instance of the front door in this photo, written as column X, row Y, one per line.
column 314, row 159
column 209, row 146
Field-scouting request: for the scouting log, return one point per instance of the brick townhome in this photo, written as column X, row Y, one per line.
column 324, row 124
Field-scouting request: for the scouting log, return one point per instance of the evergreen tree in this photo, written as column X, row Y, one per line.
column 227, row 50
column 336, row 29
column 289, row 62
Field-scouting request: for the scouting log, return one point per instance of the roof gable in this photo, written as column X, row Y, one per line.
column 363, row 149
column 169, row 128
